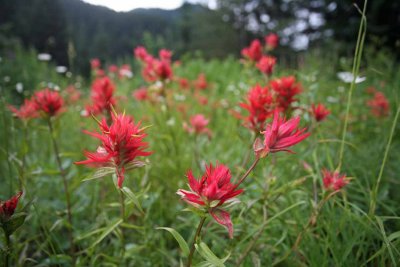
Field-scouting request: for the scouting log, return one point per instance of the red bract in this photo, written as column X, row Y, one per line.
column 271, row 41
column 319, row 112
column 266, row 64
column 201, row 82
column 162, row 69
column 48, row 102
column 198, row 125
column 121, row 143
column 259, row 104
column 140, row 53
column 379, row 105
column 253, row 52
column 113, row 68
column 26, row 111
column 333, row 180
column 102, row 96
column 165, row 54
column 286, row 89
column 280, row 135
column 7, row 208
column 95, row 63
column 211, row 192
column 183, row 83
column 140, row 94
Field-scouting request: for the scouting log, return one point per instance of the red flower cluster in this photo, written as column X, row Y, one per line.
column 102, row 96
column 286, row 89
column 280, row 135
column 266, row 64
column 47, row 102
column 183, row 83
column 201, row 82
column 141, row 94
column 333, row 180
column 121, row 143
column 26, row 111
column 211, row 192
column 95, row 63
column 253, row 52
column 198, row 125
column 379, row 105
column 7, row 208
column 259, row 105
column 319, row 112
column 271, row 41
column 155, row 69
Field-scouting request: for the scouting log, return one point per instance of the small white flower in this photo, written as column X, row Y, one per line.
column 44, row 57
column 84, row 113
column 7, row 79
column 348, row 77
column 19, row 87
column 126, row 73
column 179, row 97
column 171, row 122
column 61, row 69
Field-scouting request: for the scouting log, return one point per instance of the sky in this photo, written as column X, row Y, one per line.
column 127, row 5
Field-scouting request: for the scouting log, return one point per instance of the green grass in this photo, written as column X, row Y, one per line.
column 278, row 198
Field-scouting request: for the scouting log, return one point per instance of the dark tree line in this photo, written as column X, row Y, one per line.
column 73, row 31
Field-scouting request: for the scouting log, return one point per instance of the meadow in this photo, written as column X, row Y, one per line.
column 333, row 202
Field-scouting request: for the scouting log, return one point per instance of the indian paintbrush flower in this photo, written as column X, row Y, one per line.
column 319, row 112
column 333, row 180
column 7, row 208
column 26, row 111
column 280, row 135
column 47, row 102
column 266, row 64
column 211, row 191
column 121, row 143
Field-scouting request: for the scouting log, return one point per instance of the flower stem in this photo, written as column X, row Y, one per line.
column 65, row 182
column 248, row 171
column 196, row 237
column 122, row 210
column 8, row 249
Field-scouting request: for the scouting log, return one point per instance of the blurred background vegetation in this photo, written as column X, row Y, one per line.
column 73, row 31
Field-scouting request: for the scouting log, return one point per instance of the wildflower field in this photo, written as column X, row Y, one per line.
column 161, row 161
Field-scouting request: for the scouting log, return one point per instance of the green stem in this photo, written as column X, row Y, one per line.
column 122, row 210
column 65, row 182
column 375, row 190
column 355, row 71
column 196, row 237
column 248, row 171
column 8, row 249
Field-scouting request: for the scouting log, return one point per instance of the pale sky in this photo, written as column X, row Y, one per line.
column 127, row 5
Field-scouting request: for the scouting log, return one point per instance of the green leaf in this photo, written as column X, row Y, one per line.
column 209, row 256
column 106, row 232
column 134, row 165
column 100, row 173
column 14, row 223
column 182, row 243
column 132, row 197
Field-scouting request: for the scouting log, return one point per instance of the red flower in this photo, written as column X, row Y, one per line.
column 201, row 82
column 140, row 53
column 102, row 96
column 379, row 105
column 211, row 191
column 26, row 111
column 48, row 102
column 95, row 63
column 266, row 64
column 198, row 124
column 7, row 208
column 140, row 94
column 271, row 40
column 73, row 94
column 113, row 68
column 333, row 180
column 165, row 55
column 281, row 135
column 121, row 143
column 183, row 83
column 163, row 69
column 253, row 52
column 259, row 104
column 286, row 89
column 319, row 112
